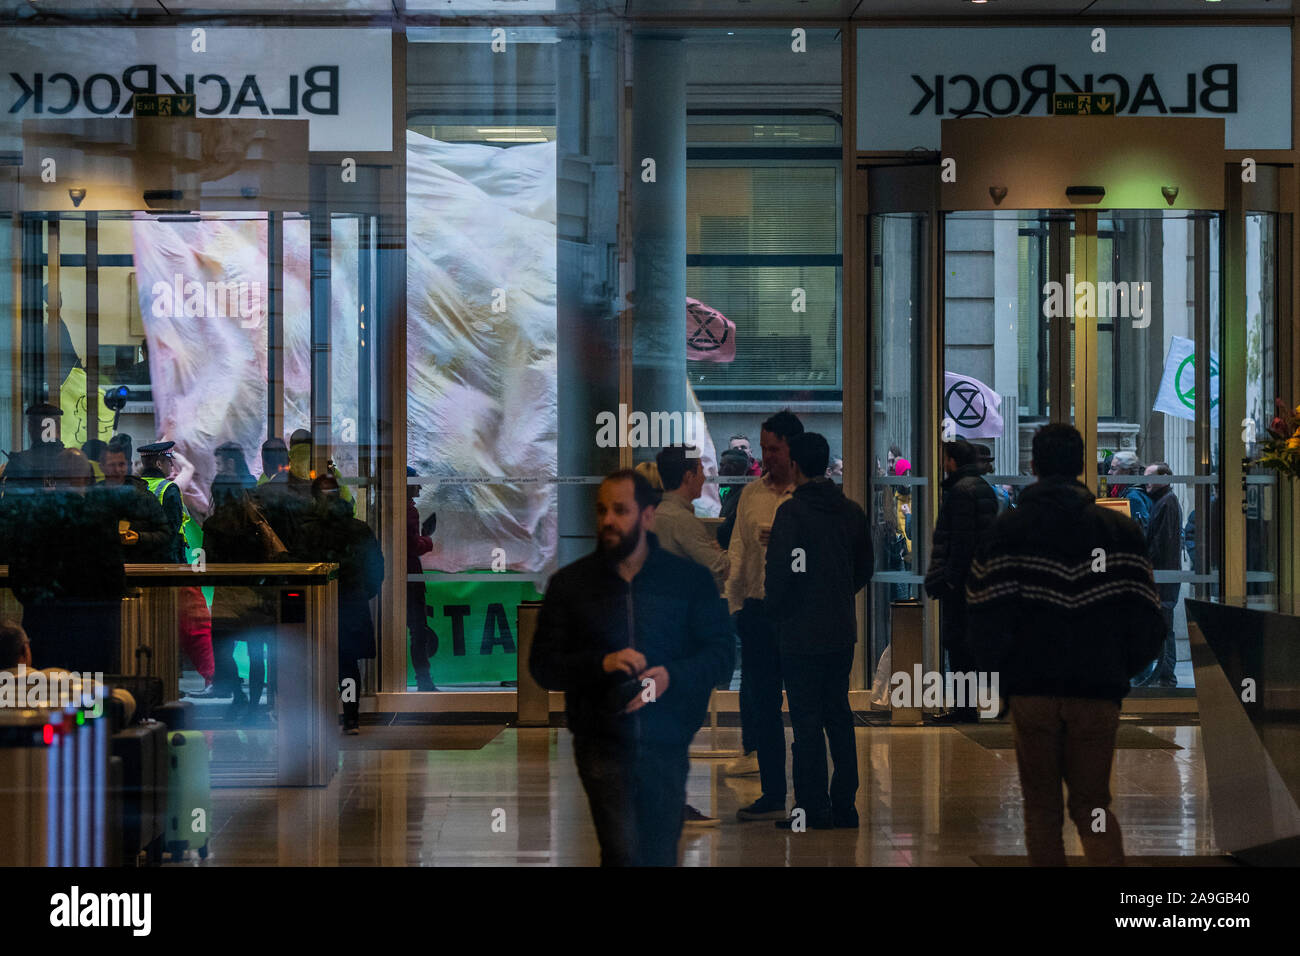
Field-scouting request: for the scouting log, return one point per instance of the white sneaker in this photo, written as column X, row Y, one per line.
column 741, row 766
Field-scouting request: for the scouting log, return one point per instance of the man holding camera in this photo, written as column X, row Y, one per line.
column 636, row 638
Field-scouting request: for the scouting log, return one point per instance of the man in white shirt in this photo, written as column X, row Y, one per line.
column 763, row 730
column 678, row 530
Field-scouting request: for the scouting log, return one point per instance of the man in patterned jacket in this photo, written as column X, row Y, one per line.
column 1064, row 608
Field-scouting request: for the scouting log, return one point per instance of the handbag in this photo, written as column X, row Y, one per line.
column 272, row 547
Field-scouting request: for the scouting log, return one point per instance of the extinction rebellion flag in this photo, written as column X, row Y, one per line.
column 975, row 408
column 1177, row 395
column 710, row 335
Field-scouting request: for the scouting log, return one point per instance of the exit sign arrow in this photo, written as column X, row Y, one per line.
column 1083, row 104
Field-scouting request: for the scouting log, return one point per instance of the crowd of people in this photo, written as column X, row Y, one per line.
column 70, row 519
column 637, row 634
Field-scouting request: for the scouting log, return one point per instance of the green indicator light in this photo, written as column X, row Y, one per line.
column 81, row 718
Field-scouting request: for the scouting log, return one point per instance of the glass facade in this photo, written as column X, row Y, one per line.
column 567, row 223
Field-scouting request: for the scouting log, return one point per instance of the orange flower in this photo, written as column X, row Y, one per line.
column 1293, row 443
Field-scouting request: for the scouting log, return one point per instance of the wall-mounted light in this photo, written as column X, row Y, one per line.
column 998, row 193
column 76, row 194
column 1170, row 193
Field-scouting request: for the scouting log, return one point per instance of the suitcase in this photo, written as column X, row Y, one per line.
column 176, row 715
column 147, row 691
column 189, row 793
column 143, row 751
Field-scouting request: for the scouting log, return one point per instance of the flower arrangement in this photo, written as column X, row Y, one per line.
column 1281, row 449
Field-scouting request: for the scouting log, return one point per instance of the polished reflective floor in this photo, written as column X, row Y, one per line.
column 930, row 796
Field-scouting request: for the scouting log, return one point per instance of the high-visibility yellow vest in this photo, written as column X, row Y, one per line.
column 191, row 530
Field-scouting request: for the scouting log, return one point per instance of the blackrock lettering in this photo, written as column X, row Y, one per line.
column 1214, row 91
column 315, row 92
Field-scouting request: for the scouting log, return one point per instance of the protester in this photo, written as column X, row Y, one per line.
column 818, row 558
column 762, row 728
column 967, row 510
column 1064, row 609
column 635, row 637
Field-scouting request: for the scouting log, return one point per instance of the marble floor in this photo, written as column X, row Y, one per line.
column 930, row 796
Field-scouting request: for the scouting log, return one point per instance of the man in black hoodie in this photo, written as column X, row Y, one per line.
column 966, row 512
column 1064, row 608
column 818, row 558
column 636, row 638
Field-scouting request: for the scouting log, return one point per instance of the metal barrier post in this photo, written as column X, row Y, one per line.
column 532, row 700
column 906, row 628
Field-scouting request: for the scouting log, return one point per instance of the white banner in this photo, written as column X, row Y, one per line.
column 975, row 409
column 1177, row 395
column 341, row 81
column 910, row 79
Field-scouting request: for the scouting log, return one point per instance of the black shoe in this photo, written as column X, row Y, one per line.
column 762, row 809
column 846, row 819
column 424, row 684
column 957, row 717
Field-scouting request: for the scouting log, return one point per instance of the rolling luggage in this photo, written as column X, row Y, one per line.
column 176, row 715
column 143, row 751
column 147, row 691
column 189, row 793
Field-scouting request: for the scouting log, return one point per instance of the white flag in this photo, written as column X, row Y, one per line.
column 975, row 408
column 1177, row 395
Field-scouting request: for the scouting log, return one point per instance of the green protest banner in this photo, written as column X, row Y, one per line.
column 475, row 624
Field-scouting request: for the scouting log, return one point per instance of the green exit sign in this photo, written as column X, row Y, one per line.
column 1083, row 104
column 163, row 104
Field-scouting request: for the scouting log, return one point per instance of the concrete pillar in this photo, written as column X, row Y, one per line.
column 658, row 221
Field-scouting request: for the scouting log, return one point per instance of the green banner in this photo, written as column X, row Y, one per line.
column 475, row 623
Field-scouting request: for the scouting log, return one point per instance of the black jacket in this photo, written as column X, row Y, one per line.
column 809, row 596
column 134, row 503
column 330, row 533
column 1165, row 540
column 61, row 546
column 1051, row 613
column 967, row 510
column 670, row 612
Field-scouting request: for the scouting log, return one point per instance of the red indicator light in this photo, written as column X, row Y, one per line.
column 48, row 733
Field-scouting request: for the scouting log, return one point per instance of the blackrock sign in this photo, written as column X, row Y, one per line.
column 338, row 80
column 910, row 80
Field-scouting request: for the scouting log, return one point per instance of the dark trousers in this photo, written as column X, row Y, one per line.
column 1070, row 740
column 817, row 686
column 636, row 792
column 261, row 665
column 1168, row 658
column 424, row 640
column 75, row 635
column 225, row 674
column 760, row 697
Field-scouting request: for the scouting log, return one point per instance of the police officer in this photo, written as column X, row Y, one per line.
column 34, row 468
column 155, row 458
